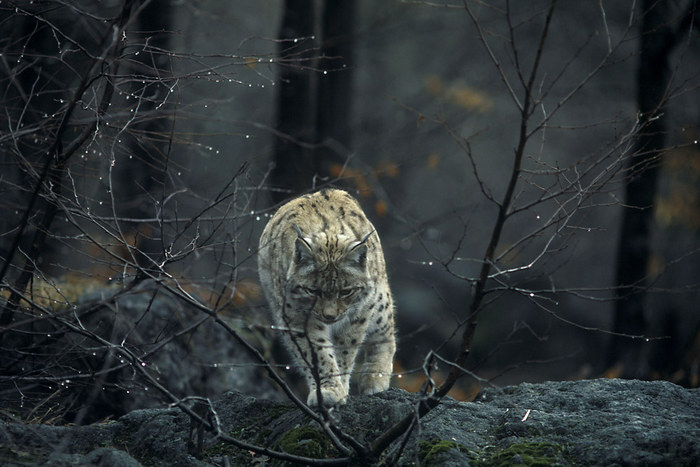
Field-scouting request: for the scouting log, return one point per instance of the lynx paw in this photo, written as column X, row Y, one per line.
column 373, row 381
column 331, row 395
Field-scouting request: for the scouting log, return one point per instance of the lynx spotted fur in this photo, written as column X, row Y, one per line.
column 322, row 269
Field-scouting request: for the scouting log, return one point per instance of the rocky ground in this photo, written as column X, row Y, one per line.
column 592, row 422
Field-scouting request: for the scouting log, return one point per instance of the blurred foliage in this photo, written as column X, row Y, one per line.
column 679, row 206
column 459, row 94
column 433, row 161
column 365, row 180
column 56, row 293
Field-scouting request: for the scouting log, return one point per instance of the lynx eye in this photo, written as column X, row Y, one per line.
column 345, row 293
column 299, row 290
column 311, row 291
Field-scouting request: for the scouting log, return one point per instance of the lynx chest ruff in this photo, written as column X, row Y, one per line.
column 322, row 270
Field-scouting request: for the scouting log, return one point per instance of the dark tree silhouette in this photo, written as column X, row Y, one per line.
column 147, row 143
column 660, row 32
column 292, row 159
column 52, row 163
column 335, row 93
column 314, row 95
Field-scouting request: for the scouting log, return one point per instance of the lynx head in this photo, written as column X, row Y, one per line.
column 328, row 273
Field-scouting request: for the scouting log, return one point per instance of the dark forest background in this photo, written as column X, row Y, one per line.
column 148, row 142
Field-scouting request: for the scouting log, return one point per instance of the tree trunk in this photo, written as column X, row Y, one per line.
column 31, row 92
column 294, row 166
column 141, row 178
column 334, row 102
column 634, row 249
column 313, row 108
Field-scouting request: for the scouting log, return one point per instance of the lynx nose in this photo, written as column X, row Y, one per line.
column 329, row 314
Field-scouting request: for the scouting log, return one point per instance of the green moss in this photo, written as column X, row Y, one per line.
column 270, row 418
column 256, row 430
column 276, row 411
column 221, row 448
column 11, row 456
column 308, row 442
column 235, row 455
column 122, row 439
column 431, row 451
column 528, row 454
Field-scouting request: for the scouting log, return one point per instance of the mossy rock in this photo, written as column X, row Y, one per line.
column 432, row 451
column 11, row 456
column 235, row 455
column 307, row 441
column 527, row 454
column 273, row 413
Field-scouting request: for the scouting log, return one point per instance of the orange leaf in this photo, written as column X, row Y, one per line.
column 433, row 160
column 380, row 208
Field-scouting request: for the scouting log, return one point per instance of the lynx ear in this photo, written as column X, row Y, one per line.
column 357, row 252
column 302, row 249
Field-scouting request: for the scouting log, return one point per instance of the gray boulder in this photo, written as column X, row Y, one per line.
column 592, row 422
column 181, row 347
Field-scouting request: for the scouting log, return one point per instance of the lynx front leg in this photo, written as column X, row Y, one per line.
column 380, row 347
column 346, row 349
column 316, row 356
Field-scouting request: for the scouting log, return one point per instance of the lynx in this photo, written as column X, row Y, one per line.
column 322, row 269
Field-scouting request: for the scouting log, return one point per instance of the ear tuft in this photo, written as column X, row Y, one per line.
column 357, row 252
column 366, row 237
column 357, row 255
column 302, row 249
